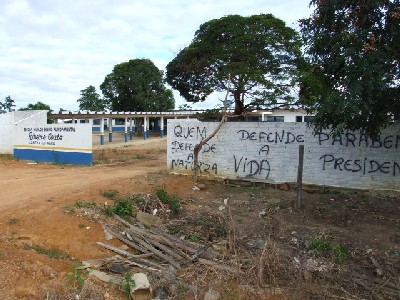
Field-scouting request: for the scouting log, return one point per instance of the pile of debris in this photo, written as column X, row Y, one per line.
column 155, row 254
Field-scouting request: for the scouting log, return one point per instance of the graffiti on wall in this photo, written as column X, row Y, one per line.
column 269, row 151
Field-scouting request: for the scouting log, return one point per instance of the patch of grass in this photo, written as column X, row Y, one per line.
column 171, row 200
column 85, row 204
column 193, row 238
column 319, row 245
column 69, row 209
column 52, row 253
column 139, row 156
column 13, row 221
column 81, row 226
column 338, row 252
column 6, row 156
column 109, row 194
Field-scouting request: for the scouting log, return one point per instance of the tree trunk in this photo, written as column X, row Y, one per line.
column 239, row 106
column 198, row 147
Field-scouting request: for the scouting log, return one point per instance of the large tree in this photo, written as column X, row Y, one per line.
column 254, row 57
column 91, row 100
column 36, row 106
column 39, row 106
column 137, row 85
column 8, row 104
column 354, row 47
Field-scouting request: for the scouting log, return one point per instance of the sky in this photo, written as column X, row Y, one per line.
column 50, row 50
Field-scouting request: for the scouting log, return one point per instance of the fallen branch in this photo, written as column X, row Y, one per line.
column 123, row 252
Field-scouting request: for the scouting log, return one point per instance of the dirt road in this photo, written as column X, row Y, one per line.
column 25, row 183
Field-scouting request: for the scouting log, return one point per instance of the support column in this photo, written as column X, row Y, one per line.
column 110, row 130
column 162, row 127
column 144, row 126
column 126, row 130
column 102, row 131
column 130, row 129
column 148, row 128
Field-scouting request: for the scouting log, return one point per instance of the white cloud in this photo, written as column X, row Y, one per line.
column 51, row 50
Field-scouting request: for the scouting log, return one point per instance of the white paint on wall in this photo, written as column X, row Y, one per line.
column 269, row 151
column 65, row 137
column 8, row 121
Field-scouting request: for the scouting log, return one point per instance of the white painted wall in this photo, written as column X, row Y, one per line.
column 8, row 121
column 269, row 151
column 289, row 115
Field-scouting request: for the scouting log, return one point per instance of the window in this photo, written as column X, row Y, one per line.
column 275, row 119
column 119, row 121
column 82, row 121
column 308, row 119
column 299, row 118
column 96, row 122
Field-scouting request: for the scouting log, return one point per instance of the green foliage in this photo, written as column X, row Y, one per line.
column 108, row 210
column 128, row 283
column 52, row 253
column 137, row 85
column 39, row 106
column 338, row 251
column 7, row 105
column 184, row 107
column 85, row 204
column 77, row 276
column 171, row 200
column 122, row 207
column 211, row 114
column 91, row 100
column 110, row 193
column 353, row 79
column 258, row 53
column 36, row 106
column 193, row 238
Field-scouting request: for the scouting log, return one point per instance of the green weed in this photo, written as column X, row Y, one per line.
column 109, row 194
column 128, row 283
column 122, row 207
column 52, row 253
column 193, row 238
column 338, row 252
column 171, row 200
column 77, row 276
column 85, row 204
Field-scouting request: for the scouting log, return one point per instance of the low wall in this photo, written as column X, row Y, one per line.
column 269, row 151
column 9, row 120
column 64, row 143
